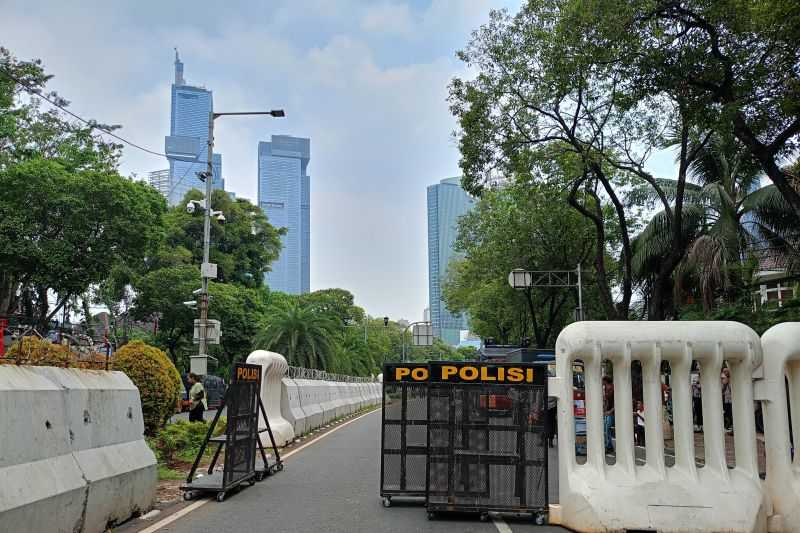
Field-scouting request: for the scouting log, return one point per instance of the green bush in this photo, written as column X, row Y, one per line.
column 156, row 377
column 182, row 440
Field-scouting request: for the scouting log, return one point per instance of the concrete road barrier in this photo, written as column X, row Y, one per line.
column 329, row 402
column 72, row 453
column 310, row 403
column 291, row 408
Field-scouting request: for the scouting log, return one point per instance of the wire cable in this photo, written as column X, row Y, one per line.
column 92, row 124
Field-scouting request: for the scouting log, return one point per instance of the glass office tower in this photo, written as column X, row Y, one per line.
column 285, row 197
column 446, row 202
column 187, row 144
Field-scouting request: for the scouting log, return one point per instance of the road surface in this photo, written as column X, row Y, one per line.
column 331, row 486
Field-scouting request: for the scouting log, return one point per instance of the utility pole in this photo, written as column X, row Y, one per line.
column 203, row 350
column 208, row 270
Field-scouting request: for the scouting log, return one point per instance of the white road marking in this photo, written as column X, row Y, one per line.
column 500, row 524
column 196, row 505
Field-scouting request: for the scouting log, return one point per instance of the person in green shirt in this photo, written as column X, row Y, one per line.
column 197, row 399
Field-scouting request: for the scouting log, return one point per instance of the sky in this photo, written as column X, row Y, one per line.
column 366, row 80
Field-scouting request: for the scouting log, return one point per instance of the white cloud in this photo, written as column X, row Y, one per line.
column 388, row 18
column 378, row 121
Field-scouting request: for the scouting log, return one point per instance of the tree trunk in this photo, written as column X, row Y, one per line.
column 8, row 294
column 599, row 257
column 765, row 155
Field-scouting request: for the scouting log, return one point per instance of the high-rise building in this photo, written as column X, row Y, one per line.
column 159, row 180
column 285, row 197
column 447, row 201
column 186, row 145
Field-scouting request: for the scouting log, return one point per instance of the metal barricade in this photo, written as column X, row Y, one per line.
column 404, row 438
column 487, row 438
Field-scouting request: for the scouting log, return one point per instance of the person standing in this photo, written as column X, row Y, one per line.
column 638, row 428
column 197, row 399
column 727, row 400
column 697, row 403
column 608, row 411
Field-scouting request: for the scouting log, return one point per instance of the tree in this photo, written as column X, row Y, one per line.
column 243, row 246
column 303, row 336
column 735, row 61
column 729, row 217
column 159, row 297
column 63, row 230
column 527, row 226
column 335, row 302
column 241, row 310
column 41, row 150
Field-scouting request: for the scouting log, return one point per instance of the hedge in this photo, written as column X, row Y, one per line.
column 156, row 377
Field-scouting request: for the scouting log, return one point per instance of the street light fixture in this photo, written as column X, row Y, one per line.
column 207, row 270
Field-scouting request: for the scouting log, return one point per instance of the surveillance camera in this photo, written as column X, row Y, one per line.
column 221, row 218
column 196, row 292
column 190, row 207
column 190, row 303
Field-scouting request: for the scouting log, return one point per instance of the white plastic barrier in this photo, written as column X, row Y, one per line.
column 72, row 454
column 309, row 401
column 600, row 497
column 291, row 408
column 273, row 368
column 781, row 345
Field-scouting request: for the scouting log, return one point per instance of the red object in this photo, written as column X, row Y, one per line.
column 3, row 326
column 580, row 402
column 496, row 402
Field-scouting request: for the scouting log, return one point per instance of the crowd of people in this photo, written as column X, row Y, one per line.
column 697, row 408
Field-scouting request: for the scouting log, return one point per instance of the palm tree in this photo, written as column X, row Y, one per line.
column 303, row 336
column 728, row 218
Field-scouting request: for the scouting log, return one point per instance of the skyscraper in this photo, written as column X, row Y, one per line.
column 285, row 197
column 446, row 202
column 186, row 145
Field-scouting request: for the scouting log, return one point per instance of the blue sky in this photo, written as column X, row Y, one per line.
column 365, row 80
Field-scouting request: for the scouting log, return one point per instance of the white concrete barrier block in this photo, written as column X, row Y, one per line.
column 273, row 368
column 310, row 403
column 72, row 454
column 290, row 406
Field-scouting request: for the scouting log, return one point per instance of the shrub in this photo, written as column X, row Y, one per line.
column 157, row 379
column 34, row 351
column 182, row 440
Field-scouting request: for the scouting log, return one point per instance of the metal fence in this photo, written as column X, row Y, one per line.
column 404, row 434
column 487, row 445
column 298, row 372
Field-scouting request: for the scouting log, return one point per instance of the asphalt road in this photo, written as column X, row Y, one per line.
column 331, row 486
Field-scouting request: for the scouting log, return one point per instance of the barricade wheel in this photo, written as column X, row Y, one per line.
column 540, row 519
column 251, row 482
column 431, row 515
column 484, row 517
column 387, row 501
column 220, row 497
column 259, row 476
column 279, row 467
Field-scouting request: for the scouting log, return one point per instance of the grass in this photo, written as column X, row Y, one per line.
column 168, row 474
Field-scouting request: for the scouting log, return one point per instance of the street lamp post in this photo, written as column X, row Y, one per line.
column 207, row 269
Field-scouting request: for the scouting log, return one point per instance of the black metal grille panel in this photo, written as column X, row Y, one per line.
column 404, row 439
column 487, row 446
